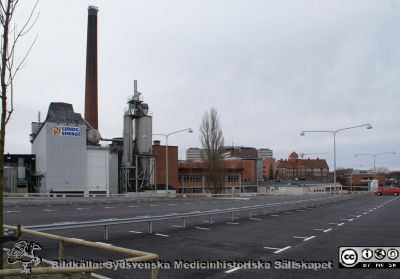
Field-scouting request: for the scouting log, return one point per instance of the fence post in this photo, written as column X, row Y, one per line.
column 106, row 232
column 150, row 227
column 61, row 250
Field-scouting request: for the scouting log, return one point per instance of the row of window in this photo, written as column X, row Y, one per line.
column 199, row 178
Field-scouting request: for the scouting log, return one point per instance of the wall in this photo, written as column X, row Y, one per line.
column 160, row 177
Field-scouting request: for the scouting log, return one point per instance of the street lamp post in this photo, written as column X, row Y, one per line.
column 374, row 155
column 166, row 154
column 334, row 132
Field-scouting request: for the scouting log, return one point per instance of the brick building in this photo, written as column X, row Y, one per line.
column 302, row 169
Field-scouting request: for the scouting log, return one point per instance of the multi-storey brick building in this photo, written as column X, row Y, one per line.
column 302, row 169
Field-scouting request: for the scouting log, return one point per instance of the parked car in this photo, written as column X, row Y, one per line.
column 388, row 191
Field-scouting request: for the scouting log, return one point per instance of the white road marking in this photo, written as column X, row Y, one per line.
column 195, row 211
column 334, row 224
column 200, row 228
column 163, row 235
column 143, row 216
column 288, row 212
column 345, row 219
column 13, row 211
column 82, row 208
column 274, row 215
column 299, row 210
column 133, row 206
column 154, row 205
column 171, row 204
column 327, row 230
column 341, row 224
column 134, row 232
column 256, row 219
column 307, row 239
column 272, row 248
column 365, row 213
column 351, row 219
column 232, row 270
column 281, row 250
column 48, row 210
column 231, row 223
column 319, row 229
column 358, row 216
column 108, row 207
column 177, row 226
column 109, row 219
column 302, row 237
column 188, row 203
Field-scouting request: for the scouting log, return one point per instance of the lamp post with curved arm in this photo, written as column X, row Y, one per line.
column 374, row 155
column 334, row 132
column 166, row 154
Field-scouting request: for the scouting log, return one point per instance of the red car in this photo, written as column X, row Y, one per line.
column 388, row 191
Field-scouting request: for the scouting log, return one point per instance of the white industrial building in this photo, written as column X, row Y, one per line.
column 68, row 156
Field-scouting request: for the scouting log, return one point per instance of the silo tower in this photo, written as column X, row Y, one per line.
column 137, row 158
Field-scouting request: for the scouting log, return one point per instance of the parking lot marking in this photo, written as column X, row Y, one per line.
column 135, row 232
column 231, row 223
column 327, row 230
column 163, row 235
column 177, row 226
column 200, row 228
column 283, row 249
column 309, row 238
column 272, row 248
column 232, row 270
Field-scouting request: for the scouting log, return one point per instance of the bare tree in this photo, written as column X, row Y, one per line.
column 9, row 67
column 212, row 142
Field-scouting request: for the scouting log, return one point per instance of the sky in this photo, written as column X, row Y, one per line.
column 270, row 68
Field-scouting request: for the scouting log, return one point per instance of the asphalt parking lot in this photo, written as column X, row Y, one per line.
column 312, row 234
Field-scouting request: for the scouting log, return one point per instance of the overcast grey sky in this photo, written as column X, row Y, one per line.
column 270, row 68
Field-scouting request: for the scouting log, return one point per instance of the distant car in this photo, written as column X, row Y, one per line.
column 388, row 191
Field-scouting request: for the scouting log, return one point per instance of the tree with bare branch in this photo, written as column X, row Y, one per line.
column 212, row 142
column 11, row 35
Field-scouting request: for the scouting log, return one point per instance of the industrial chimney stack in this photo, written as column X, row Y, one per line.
column 91, row 103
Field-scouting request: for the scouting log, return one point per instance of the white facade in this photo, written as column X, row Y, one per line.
column 60, row 151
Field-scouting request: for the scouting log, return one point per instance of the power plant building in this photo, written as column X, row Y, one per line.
column 68, row 158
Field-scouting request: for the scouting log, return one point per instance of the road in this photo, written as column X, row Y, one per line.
column 312, row 234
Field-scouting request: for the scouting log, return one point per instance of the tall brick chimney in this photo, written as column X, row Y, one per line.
column 91, row 103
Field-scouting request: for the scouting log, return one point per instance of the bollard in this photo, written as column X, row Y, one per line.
column 211, row 219
column 231, row 216
column 150, row 227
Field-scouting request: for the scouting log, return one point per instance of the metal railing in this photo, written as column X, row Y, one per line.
column 289, row 205
column 136, row 256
